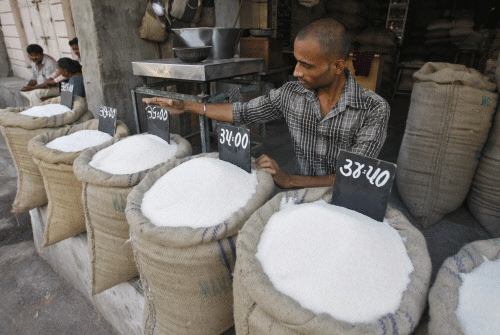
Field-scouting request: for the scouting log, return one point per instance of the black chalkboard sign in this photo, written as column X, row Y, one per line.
column 67, row 95
column 234, row 145
column 363, row 184
column 107, row 120
column 158, row 122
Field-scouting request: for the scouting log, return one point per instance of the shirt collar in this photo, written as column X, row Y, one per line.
column 351, row 94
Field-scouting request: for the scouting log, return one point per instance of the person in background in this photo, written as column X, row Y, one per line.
column 43, row 67
column 72, row 70
column 326, row 110
column 56, row 77
column 74, row 46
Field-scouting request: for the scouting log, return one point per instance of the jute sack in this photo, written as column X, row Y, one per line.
column 186, row 273
column 444, row 293
column 64, row 192
column 260, row 309
column 448, row 122
column 104, row 198
column 18, row 130
column 483, row 199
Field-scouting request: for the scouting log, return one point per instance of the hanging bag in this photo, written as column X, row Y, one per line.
column 154, row 26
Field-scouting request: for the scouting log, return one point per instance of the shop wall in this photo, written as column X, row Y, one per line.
column 109, row 42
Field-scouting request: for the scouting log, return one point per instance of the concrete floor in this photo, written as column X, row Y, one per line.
column 35, row 300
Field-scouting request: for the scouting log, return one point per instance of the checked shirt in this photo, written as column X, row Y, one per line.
column 357, row 123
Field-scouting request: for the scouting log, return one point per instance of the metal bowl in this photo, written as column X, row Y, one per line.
column 261, row 32
column 192, row 54
column 222, row 40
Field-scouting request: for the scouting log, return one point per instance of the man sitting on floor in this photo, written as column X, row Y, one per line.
column 43, row 67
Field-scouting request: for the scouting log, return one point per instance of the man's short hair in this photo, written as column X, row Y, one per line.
column 74, row 41
column 34, row 49
column 331, row 35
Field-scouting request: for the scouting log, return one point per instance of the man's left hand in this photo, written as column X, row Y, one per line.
column 269, row 165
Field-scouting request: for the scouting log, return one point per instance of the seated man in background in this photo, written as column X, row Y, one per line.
column 74, row 46
column 43, row 67
column 57, row 77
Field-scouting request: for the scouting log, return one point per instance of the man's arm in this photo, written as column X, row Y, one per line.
column 285, row 180
column 220, row 112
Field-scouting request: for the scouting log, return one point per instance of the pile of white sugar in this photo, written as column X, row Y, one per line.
column 79, row 140
column 334, row 260
column 202, row 192
column 134, row 154
column 478, row 300
column 46, row 110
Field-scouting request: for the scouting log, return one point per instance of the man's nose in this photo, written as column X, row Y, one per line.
column 296, row 72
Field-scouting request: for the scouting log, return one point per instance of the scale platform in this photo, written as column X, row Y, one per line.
column 208, row 70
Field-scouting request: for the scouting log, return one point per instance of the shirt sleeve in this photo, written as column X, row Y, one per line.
column 258, row 110
column 58, row 79
column 371, row 137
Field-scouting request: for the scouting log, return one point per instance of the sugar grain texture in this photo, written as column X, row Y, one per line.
column 79, row 140
column 202, row 192
column 133, row 154
column 336, row 261
column 478, row 307
column 46, row 110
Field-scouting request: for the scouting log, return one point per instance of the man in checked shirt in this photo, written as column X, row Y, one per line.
column 326, row 109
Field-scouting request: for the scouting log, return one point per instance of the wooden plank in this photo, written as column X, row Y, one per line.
column 10, row 30
column 5, row 6
column 15, row 54
column 7, row 18
column 13, row 42
column 21, row 32
column 57, row 12
column 64, row 45
column 49, row 31
column 68, row 18
column 60, row 28
column 28, row 25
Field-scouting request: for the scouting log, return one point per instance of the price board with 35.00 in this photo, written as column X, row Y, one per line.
column 158, row 122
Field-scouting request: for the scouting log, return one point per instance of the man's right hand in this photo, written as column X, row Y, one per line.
column 27, row 88
column 174, row 106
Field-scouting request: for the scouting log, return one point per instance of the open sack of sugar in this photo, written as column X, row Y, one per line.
column 19, row 126
column 54, row 153
column 464, row 297
column 108, row 174
column 307, row 267
column 184, row 219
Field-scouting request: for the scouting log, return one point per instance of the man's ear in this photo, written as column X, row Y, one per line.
column 339, row 66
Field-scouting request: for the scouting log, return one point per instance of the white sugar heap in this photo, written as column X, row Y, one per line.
column 134, row 154
column 79, row 140
column 202, row 192
column 478, row 308
column 334, row 260
column 46, row 110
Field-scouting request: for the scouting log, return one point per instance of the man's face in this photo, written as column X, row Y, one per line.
column 75, row 49
column 314, row 68
column 36, row 58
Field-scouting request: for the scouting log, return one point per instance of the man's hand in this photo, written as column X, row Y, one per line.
column 174, row 106
column 269, row 165
column 27, row 88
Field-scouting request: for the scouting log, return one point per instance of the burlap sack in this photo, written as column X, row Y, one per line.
column 382, row 37
column 260, row 309
column 104, row 199
column 186, row 273
column 352, row 7
column 18, row 130
column 152, row 27
column 448, row 122
column 444, row 293
column 483, row 199
column 64, row 192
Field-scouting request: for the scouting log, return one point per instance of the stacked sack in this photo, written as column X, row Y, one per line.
column 384, row 42
column 186, row 272
column 18, row 130
column 464, row 297
column 352, row 13
column 448, row 123
column 260, row 308
column 64, row 192
column 104, row 198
